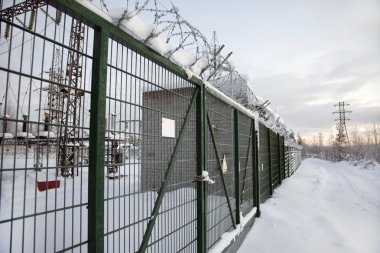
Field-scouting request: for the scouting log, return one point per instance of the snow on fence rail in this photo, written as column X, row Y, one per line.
column 105, row 143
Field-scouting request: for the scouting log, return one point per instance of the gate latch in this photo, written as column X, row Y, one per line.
column 204, row 177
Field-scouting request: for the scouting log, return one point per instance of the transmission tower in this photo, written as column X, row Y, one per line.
column 341, row 139
column 215, row 50
column 56, row 77
column 64, row 102
column 70, row 103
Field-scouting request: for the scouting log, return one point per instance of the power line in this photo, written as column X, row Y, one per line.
column 24, row 42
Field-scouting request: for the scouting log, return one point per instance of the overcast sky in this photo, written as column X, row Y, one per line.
column 302, row 55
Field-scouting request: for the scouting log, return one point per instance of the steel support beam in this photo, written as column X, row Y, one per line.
column 21, row 8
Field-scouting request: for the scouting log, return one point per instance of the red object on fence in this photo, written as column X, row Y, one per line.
column 46, row 185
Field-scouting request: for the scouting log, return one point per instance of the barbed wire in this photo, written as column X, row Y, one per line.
column 168, row 24
column 175, row 34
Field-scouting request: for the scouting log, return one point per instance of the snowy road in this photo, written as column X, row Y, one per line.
column 324, row 207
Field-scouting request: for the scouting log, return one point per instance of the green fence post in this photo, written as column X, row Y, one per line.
column 96, row 151
column 283, row 156
column 237, row 165
column 255, row 155
column 270, row 163
column 201, row 166
column 288, row 159
column 279, row 158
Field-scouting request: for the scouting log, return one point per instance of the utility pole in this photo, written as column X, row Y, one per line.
column 341, row 139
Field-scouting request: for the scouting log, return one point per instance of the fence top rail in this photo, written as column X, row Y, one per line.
column 228, row 100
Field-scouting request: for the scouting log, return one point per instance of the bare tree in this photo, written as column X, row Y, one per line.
column 376, row 133
column 376, row 138
column 357, row 149
column 368, row 134
column 299, row 139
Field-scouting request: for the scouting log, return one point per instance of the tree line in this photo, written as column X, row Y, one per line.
column 360, row 145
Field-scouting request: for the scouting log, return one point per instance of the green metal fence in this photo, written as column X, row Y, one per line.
column 104, row 142
column 265, row 169
column 246, row 132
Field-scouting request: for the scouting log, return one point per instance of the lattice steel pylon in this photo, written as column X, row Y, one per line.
column 341, row 139
column 7, row 14
column 70, row 103
column 219, row 68
column 21, row 8
column 56, row 77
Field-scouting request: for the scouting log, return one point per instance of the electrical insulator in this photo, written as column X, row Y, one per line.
column 31, row 20
column 58, row 17
column 7, row 30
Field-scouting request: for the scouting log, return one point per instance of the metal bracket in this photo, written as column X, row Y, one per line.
column 204, row 177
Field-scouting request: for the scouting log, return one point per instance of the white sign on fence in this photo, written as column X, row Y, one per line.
column 168, row 128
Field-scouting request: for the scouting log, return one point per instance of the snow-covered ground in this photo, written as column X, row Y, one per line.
column 325, row 207
column 56, row 219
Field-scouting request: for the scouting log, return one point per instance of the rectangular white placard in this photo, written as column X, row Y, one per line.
column 168, row 128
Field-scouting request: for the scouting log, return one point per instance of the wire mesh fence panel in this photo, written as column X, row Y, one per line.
column 246, row 163
column 264, row 170
column 286, row 161
column 220, row 209
column 146, row 107
column 282, row 158
column 275, row 161
column 297, row 159
column 45, row 72
column 294, row 159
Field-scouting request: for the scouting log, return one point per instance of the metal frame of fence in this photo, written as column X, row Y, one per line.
column 114, row 141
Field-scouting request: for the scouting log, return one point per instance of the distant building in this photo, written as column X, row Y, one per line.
column 161, row 124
